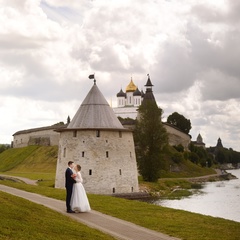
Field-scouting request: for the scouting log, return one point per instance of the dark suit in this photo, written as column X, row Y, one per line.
column 69, row 181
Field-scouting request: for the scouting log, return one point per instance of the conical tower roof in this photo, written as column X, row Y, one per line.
column 148, row 96
column 199, row 138
column 149, row 83
column 95, row 113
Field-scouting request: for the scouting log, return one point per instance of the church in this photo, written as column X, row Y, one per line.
column 129, row 101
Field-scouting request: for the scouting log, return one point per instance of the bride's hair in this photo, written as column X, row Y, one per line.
column 78, row 167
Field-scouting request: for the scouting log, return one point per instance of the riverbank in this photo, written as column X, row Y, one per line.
column 223, row 176
column 217, row 199
column 180, row 187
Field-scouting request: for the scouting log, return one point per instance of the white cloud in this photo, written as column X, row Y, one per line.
column 190, row 49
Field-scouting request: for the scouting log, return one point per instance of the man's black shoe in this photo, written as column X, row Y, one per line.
column 70, row 211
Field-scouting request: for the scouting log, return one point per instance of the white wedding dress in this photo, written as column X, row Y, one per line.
column 79, row 201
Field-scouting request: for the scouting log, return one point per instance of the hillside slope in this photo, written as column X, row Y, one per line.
column 29, row 159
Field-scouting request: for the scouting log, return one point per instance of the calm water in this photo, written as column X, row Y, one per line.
column 219, row 199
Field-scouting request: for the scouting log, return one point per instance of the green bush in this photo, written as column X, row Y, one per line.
column 177, row 157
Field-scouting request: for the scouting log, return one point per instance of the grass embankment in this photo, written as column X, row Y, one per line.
column 33, row 162
column 178, row 223
column 22, row 219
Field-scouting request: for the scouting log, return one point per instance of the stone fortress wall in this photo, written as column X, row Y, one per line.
column 176, row 137
column 44, row 136
column 108, row 161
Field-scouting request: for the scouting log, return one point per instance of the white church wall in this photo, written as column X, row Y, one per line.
column 130, row 99
column 121, row 101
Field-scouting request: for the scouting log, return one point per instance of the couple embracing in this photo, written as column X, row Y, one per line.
column 76, row 198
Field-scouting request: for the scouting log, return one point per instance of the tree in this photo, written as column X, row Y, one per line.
column 221, row 156
column 180, row 122
column 150, row 137
column 4, row 147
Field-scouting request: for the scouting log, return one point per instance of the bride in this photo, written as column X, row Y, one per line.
column 79, row 201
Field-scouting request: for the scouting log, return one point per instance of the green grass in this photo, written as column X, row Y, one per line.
column 188, row 169
column 22, row 219
column 31, row 159
column 178, row 223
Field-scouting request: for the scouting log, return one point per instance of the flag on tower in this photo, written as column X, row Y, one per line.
column 91, row 76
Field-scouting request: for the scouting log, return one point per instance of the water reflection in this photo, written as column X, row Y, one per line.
column 218, row 199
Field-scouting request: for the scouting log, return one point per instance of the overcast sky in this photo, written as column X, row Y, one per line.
column 190, row 48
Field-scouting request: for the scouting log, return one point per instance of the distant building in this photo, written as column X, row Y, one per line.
column 199, row 142
column 97, row 141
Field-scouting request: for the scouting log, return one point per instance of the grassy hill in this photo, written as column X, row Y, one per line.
column 35, row 162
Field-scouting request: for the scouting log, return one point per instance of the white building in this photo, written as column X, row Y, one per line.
column 97, row 141
column 129, row 101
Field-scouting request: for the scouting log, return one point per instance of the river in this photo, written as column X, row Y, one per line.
column 217, row 199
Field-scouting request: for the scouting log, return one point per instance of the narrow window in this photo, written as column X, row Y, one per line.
column 130, row 154
column 113, row 190
column 107, row 154
column 98, row 133
column 120, row 171
column 132, row 189
column 74, row 133
column 90, row 171
column 83, row 154
column 64, row 152
column 106, row 141
column 120, row 134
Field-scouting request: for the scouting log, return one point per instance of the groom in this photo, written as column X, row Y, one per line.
column 69, row 181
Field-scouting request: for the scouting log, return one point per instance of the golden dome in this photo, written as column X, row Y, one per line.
column 131, row 87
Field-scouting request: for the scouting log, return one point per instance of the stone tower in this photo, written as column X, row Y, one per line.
column 219, row 143
column 97, row 141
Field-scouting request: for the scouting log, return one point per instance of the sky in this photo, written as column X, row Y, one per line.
column 190, row 49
